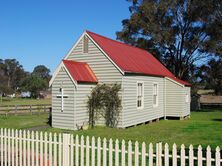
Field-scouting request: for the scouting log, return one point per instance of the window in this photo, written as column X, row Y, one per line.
column 85, row 44
column 155, row 94
column 140, row 89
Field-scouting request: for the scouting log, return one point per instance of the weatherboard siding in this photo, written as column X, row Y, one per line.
column 81, row 112
column 175, row 99
column 63, row 119
column 105, row 71
column 132, row 115
column 103, row 68
column 187, row 104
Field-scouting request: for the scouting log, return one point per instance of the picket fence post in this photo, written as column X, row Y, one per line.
column 104, row 152
column 174, row 155
column 99, row 152
column 217, row 156
column 93, row 152
column 129, row 153
column 159, row 154
column 151, row 154
column 82, row 151
column 143, row 154
column 87, row 151
column 136, row 154
column 123, row 149
column 2, row 155
column 66, row 149
column 182, row 155
column 166, row 155
column 71, row 150
column 208, row 156
column 191, row 162
column 77, row 150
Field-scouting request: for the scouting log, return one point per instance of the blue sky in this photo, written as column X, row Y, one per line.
column 42, row 31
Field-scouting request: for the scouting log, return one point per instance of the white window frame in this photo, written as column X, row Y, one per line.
column 142, row 98
column 157, row 95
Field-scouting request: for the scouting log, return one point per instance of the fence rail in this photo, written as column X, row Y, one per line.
column 19, row 147
column 24, row 109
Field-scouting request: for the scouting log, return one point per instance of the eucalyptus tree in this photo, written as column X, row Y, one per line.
column 180, row 33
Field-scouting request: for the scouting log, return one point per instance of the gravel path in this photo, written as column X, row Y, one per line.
column 39, row 128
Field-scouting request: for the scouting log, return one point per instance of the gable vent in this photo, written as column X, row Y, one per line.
column 85, row 44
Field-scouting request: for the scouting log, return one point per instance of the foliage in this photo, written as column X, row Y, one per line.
column 211, row 75
column 42, row 72
column 34, row 84
column 14, row 78
column 95, row 103
column 11, row 75
column 104, row 100
column 179, row 33
column 112, row 105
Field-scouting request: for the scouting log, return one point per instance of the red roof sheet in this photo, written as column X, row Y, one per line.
column 132, row 59
column 181, row 81
column 80, row 71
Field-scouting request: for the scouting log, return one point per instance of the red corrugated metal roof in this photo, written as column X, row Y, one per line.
column 181, row 81
column 132, row 59
column 80, row 71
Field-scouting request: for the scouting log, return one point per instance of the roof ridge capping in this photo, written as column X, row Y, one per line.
column 120, row 42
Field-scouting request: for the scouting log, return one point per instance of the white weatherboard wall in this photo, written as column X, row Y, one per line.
column 63, row 119
column 187, row 104
column 132, row 115
column 81, row 112
column 176, row 105
column 105, row 71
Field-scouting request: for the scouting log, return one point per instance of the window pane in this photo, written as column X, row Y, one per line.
column 139, row 103
column 155, row 89
column 139, row 94
column 139, row 89
column 154, row 99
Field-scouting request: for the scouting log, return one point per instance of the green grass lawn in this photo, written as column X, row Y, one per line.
column 23, row 121
column 203, row 128
column 21, row 101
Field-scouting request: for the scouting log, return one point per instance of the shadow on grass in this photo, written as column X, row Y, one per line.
column 217, row 119
column 210, row 110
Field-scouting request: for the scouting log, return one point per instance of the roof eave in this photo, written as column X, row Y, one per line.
column 143, row 74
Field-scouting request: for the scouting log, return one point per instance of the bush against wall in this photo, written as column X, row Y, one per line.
column 104, row 100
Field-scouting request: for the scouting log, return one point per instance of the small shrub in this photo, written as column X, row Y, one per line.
column 104, row 100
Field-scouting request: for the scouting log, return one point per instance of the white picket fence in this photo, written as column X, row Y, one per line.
column 24, row 148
